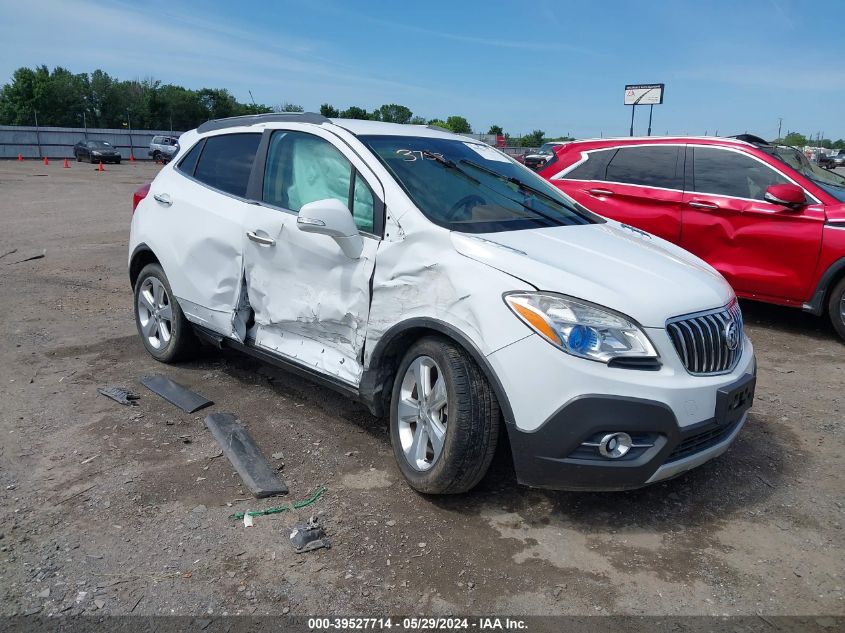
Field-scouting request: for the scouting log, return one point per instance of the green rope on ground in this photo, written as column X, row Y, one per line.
column 296, row 505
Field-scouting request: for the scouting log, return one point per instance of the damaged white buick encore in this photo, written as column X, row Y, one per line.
column 449, row 287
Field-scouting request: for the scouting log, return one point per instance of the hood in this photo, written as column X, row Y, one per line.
column 610, row 264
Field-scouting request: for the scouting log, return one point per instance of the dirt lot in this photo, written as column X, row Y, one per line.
column 126, row 510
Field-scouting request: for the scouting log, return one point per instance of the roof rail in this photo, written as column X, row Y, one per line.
column 750, row 138
column 254, row 119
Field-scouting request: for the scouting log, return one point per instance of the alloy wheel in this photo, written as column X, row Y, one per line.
column 155, row 313
column 423, row 413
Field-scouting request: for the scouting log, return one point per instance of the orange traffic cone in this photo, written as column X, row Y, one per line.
column 100, row 168
column 131, row 157
column 46, row 161
column 20, row 157
column 67, row 164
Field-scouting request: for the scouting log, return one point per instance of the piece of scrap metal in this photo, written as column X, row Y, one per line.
column 238, row 445
column 308, row 535
column 175, row 393
column 119, row 394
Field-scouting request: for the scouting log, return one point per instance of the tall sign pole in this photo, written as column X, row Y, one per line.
column 643, row 94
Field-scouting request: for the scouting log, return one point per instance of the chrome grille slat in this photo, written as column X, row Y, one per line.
column 701, row 339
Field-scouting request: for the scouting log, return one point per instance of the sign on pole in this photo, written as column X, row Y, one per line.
column 643, row 94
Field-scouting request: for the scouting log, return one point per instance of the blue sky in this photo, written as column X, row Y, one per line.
column 728, row 66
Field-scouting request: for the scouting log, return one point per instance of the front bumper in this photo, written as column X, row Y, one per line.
column 677, row 421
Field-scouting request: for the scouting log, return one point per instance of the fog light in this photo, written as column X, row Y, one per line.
column 615, row 445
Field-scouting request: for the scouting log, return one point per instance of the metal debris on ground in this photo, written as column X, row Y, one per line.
column 246, row 457
column 175, row 393
column 119, row 394
column 296, row 505
column 308, row 535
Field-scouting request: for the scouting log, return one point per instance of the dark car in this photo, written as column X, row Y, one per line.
column 96, row 152
column 832, row 161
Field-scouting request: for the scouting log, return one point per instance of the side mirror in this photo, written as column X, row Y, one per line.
column 331, row 217
column 787, row 195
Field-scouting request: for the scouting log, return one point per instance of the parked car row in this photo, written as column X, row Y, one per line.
column 832, row 161
column 162, row 149
column 464, row 296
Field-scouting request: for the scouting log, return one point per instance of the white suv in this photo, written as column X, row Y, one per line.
column 449, row 287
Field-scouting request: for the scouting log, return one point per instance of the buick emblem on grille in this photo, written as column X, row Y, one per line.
column 731, row 335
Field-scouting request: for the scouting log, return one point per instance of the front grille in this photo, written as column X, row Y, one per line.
column 704, row 340
column 700, row 441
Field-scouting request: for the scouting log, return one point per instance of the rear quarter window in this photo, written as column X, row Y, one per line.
column 226, row 162
column 594, row 168
column 648, row 166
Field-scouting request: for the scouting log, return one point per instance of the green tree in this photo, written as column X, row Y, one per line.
column 535, row 139
column 393, row 113
column 495, row 129
column 354, row 112
column 459, row 125
column 288, row 107
column 329, row 111
column 417, row 120
column 795, row 139
column 439, row 123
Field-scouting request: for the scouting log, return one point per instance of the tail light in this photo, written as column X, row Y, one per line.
column 140, row 194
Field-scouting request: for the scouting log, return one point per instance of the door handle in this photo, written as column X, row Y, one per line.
column 600, row 192
column 702, row 205
column 163, row 198
column 259, row 239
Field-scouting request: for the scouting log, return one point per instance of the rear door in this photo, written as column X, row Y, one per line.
column 640, row 185
column 310, row 301
column 762, row 249
column 203, row 203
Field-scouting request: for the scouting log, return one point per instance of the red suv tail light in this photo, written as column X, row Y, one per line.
column 140, row 194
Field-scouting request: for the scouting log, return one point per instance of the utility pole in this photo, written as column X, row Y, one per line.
column 251, row 97
column 780, row 122
column 129, row 124
column 37, row 133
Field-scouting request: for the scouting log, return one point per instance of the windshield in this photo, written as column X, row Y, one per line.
column 830, row 181
column 548, row 148
column 471, row 187
column 98, row 144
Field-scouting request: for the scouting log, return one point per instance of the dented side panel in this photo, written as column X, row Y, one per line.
column 311, row 302
column 422, row 275
column 198, row 240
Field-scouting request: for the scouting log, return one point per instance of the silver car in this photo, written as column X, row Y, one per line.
column 163, row 148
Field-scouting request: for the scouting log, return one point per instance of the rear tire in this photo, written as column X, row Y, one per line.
column 444, row 439
column 836, row 307
column 162, row 326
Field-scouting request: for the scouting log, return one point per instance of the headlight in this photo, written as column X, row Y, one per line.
column 96, row 153
column 580, row 328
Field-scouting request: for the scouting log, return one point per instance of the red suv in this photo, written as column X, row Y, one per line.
column 769, row 220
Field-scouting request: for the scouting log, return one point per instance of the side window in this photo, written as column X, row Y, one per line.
column 594, row 168
column 649, row 166
column 189, row 163
column 362, row 205
column 226, row 161
column 156, row 140
column 733, row 174
column 303, row 168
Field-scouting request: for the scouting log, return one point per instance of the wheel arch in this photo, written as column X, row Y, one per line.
column 377, row 380
column 818, row 302
column 141, row 256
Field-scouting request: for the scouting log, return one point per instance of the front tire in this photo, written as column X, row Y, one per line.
column 444, row 418
column 165, row 332
column 836, row 308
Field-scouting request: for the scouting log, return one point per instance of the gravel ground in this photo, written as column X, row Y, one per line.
column 126, row 510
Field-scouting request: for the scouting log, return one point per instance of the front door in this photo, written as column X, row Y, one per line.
column 310, row 301
column 764, row 250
